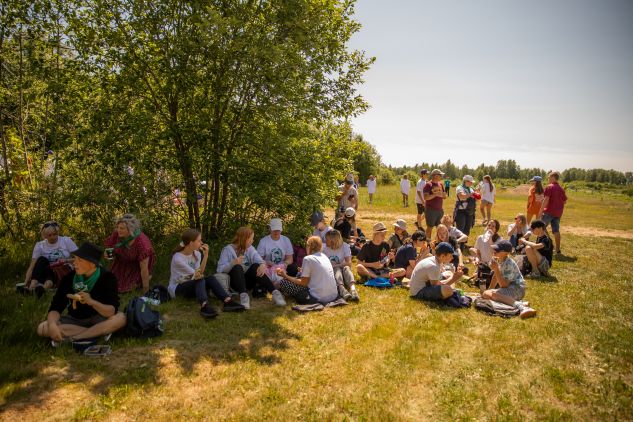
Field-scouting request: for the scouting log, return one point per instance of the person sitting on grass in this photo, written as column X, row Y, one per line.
column 517, row 230
column 187, row 276
column 89, row 292
column 399, row 234
column 374, row 257
column 48, row 254
column 460, row 237
column 407, row 256
column 246, row 268
column 507, row 285
column 276, row 250
column 350, row 232
column 483, row 245
column 316, row 283
column 442, row 235
column 317, row 220
column 538, row 253
column 427, row 282
column 340, row 256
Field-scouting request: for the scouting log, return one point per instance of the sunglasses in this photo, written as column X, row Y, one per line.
column 51, row 224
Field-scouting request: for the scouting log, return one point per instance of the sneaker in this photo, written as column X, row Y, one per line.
column 524, row 303
column 232, row 306
column 527, row 312
column 21, row 289
column 208, row 311
column 245, row 300
column 278, row 298
column 534, row 274
column 354, row 296
column 342, row 292
column 39, row 291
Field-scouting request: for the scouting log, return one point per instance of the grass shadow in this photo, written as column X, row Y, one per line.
column 565, row 258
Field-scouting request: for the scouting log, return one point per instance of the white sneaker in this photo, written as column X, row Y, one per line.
column 245, row 301
column 527, row 312
column 278, row 298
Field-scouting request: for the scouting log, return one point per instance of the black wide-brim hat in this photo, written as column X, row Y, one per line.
column 89, row 252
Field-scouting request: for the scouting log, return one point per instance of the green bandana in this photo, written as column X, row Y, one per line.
column 125, row 243
column 81, row 284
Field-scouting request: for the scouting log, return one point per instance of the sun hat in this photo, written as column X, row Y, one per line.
column 350, row 212
column 468, row 178
column 400, row 223
column 379, row 227
column 90, row 252
column 437, row 171
column 502, row 246
column 275, row 224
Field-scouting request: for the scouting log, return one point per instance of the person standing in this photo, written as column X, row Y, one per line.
column 348, row 196
column 553, row 205
column 419, row 195
column 488, row 192
column 405, row 186
column 466, row 205
column 371, row 187
column 535, row 198
column 434, row 196
column 447, row 187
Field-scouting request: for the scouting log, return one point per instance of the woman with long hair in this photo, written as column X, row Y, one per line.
column 487, row 190
column 536, row 196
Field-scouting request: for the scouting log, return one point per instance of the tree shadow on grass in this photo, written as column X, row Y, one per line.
column 38, row 372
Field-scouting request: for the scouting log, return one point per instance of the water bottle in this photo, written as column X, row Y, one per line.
column 391, row 278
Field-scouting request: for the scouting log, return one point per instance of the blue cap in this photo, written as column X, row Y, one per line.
column 444, row 248
column 536, row 179
column 502, row 246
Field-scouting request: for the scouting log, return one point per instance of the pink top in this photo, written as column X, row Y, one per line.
column 557, row 199
column 126, row 265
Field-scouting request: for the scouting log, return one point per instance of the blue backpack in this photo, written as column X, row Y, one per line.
column 142, row 320
column 379, row 282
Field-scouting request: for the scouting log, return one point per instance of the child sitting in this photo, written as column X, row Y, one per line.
column 508, row 279
column 407, row 256
column 539, row 253
column 340, row 256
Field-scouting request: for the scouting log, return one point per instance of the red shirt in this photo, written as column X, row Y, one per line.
column 435, row 203
column 557, row 198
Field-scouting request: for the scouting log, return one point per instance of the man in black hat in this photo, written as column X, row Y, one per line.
column 90, row 295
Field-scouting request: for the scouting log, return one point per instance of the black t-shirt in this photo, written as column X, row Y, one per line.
column 104, row 291
column 372, row 252
column 405, row 254
column 344, row 227
column 546, row 250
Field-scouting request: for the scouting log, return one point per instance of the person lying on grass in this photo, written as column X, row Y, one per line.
column 246, row 268
column 187, row 276
column 90, row 295
column 539, row 253
column 340, row 256
column 408, row 256
column 507, row 285
column 427, row 282
column 316, row 283
column 374, row 257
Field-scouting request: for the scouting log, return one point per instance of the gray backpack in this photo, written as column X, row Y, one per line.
column 495, row 308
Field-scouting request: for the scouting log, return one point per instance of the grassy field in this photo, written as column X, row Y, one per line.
column 385, row 358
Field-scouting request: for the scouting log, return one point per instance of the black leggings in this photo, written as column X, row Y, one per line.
column 42, row 271
column 198, row 289
column 464, row 221
column 249, row 280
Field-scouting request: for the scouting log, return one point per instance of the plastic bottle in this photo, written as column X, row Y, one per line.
column 391, row 278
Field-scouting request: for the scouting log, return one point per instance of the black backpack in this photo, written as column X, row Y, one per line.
column 142, row 321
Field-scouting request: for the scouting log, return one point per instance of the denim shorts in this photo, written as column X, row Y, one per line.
column 555, row 221
column 514, row 291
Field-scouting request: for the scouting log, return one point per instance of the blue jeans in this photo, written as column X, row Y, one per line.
column 198, row 289
column 555, row 221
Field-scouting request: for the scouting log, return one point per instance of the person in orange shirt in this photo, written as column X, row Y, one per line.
column 535, row 198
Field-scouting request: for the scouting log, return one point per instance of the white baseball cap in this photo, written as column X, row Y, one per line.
column 468, row 178
column 275, row 224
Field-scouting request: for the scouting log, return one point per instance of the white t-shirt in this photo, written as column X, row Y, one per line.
column 486, row 193
column 58, row 250
column 337, row 256
column 274, row 251
column 371, row 186
column 228, row 254
column 321, row 233
column 345, row 201
column 419, row 191
column 405, row 186
column 426, row 270
column 182, row 269
column 526, row 228
column 484, row 245
column 322, row 284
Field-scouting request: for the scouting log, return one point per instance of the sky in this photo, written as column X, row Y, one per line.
column 548, row 83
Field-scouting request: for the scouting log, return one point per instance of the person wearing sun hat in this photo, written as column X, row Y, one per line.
column 507, row 284
column 375, row 256
column 434, row 196
column 399, row 234
column 89, row 293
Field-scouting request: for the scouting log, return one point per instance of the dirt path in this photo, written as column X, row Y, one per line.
column 369, row 217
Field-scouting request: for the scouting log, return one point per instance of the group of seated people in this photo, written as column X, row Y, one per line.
column 323, row 273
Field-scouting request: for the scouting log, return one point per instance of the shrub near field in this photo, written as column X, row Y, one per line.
column 386, row 358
